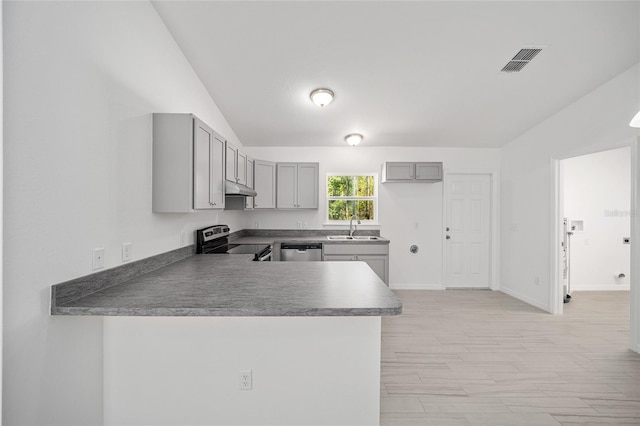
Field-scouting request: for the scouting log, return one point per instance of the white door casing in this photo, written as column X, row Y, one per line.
column 556, row 290
column 467, row 221
column 634, row 326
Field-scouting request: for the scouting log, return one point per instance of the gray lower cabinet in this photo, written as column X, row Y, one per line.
column 188, row 165
column 375, row 255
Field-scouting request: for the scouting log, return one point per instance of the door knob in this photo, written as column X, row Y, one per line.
column 448, row 237
column 447, row 229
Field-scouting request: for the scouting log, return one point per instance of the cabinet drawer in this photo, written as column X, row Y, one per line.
column 353, row 248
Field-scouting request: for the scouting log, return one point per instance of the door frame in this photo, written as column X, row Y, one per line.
column 556, row 302
column 494, row 231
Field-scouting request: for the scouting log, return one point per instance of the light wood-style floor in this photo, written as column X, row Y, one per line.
column 462, row 357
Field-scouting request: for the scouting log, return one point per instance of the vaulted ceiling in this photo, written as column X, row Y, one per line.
column 417, row 73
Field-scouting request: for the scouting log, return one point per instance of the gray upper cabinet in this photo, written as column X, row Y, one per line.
column 236, row 164
column 208, row 184
column 188, row 164
column 264, row 177
column 398, row 171
column 411, row 172
column 250, row 182
column 429, row 172
column 297, row 185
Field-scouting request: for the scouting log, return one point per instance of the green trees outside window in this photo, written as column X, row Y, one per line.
column 351, row 195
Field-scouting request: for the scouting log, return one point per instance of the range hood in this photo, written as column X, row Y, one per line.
column 233, row 189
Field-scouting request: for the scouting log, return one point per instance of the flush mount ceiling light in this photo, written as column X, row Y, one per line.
column 321, row 97
column 353, row 139
column 635, row 121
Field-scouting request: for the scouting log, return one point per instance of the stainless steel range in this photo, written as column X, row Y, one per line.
column 215, row 240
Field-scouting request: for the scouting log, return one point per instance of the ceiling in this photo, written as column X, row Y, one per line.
column 418, row 73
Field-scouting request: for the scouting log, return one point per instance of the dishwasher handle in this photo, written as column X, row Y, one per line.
column 301, row 247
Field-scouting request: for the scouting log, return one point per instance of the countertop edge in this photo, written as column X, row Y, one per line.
column 213, row 312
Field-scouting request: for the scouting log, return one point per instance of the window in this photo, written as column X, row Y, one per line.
column 350, row 194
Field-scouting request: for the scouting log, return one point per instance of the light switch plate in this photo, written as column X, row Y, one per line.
column 98, row 258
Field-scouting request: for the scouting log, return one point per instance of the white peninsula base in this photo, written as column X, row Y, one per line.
column 186, row 370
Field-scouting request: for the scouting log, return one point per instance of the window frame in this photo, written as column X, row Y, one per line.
column 374, row 198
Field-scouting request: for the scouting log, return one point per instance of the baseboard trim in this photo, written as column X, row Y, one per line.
column 526, row 299
column 602, row 287
column 412, row 286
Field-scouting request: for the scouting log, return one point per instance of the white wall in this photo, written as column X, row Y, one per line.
column 596, row 122
column 306, row 371
column 597, row 191
column 409, row 213
column 81, row 82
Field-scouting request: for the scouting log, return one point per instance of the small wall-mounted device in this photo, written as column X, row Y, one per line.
column 577, row 225
column 626, row 240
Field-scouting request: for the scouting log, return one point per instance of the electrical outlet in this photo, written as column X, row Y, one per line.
column 98, row 258
column 183, row 239
column 246, row 380
column 299, row 225
column 305, row 225
column 126, row 252
column 257, row 225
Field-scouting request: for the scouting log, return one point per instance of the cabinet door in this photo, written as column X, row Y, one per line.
column 265, row 184
column 202, row 173
column 339, row 257
column 231, row 163
column 248, row 202
column 400, row 171
column 429, row 171
column 287, row 186
column 217, row 167
column 307, row 193
column 241, row 168
column 379, row 264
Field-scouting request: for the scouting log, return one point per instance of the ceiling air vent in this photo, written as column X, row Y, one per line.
column 522, row 58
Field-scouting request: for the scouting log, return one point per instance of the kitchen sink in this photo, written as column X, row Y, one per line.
column 355, row 237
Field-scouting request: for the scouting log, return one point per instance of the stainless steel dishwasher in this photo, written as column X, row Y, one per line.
column 300, row 252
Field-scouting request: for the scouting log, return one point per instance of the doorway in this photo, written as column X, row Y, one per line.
column 596, row 211
column 557, row 235
column 468, row 230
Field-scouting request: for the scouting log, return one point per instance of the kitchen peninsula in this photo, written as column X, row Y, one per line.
column 177, row 337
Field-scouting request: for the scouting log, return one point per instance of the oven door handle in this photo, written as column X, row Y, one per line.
column 265, row 258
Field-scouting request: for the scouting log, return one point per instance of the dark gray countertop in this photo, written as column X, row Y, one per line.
column 272, row 236
column 233, row 285
column 316, row 239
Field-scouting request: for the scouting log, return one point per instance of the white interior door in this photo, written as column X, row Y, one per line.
column 467, row 222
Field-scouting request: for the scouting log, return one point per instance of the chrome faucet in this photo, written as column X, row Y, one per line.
column 351, row 230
